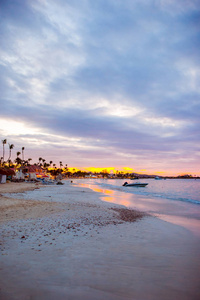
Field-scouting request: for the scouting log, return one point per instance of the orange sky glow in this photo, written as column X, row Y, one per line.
column 116, row 91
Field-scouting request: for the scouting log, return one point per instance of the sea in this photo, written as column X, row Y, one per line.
column 185, row 190
column 173, row 200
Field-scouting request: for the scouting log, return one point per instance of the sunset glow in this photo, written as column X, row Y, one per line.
column 107, row 86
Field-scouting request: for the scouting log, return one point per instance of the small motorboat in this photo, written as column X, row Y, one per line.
column 137, row 184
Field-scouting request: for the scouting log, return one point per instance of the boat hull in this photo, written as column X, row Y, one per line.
column 136, row 184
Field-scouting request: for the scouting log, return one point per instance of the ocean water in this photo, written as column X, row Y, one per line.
column 173, row 200
column 185, row 190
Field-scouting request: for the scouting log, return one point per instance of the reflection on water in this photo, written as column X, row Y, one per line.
column 113, row 196
column 126, row 201
column 179, row 213
column 97, row 189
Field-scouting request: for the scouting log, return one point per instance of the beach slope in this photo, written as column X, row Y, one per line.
column 88, row 249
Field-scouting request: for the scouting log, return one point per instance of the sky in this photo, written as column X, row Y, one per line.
column 102, row 83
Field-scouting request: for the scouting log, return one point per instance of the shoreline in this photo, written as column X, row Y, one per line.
column 175, row 212
column 80, row 249
column 12, row 209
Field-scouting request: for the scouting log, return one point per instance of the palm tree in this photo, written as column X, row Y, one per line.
column 40, row 159
column 18, row 160
column 50, row 163
column 18, row 153
column 11, row 146
column 61, row 164
column 9, row 161
column 4, row 142
column 23, row 153
column 25, row 163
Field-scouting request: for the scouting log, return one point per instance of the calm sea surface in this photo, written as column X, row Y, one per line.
column 186, row 190
column 173, row 200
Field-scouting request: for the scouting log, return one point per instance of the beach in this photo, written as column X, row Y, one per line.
column 85, row 248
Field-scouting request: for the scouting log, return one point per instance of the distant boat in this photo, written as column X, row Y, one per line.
column 136, row 184
column 158, row 178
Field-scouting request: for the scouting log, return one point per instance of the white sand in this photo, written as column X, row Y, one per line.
column 81, row 250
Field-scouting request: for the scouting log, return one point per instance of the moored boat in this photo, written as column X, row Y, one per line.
column 137, row 184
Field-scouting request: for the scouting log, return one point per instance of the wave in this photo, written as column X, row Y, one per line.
column 175, row 196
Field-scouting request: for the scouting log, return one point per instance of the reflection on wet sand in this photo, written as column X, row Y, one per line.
column 173, row 212
column 112, row 196
column 192, row 224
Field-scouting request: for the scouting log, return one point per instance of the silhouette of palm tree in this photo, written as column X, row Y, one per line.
column 4, row 142
column 40, row 159
column 18, row 159
column 11, row 146
column 23, row 153
column 29, row 160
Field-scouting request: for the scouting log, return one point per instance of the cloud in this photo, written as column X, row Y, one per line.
column 104, row 76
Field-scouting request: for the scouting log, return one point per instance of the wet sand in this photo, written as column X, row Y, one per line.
column 89, row 249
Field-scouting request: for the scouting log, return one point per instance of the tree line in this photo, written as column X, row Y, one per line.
column 20, row 161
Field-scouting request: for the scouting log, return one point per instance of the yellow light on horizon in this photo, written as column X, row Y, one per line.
column 128, row 169
column 98, row 170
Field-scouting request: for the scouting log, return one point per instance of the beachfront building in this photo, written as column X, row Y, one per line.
column 3, row 175
column 31, row 172
column 19, row 175
column 6, row 173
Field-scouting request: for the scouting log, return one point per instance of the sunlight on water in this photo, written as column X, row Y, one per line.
column 173, row 201
column 113, row 196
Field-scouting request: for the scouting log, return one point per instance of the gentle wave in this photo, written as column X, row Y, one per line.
column 166, row 192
